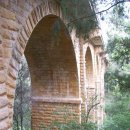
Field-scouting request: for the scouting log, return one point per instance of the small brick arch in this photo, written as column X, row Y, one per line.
column 89, row 53
column 89, row 72
column 89, row 65
column 50, row 50
column 45, row 9
column 89, row 58
column 91, row 48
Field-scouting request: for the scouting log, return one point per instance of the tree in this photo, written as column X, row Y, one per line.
column 118, row 74
column 117, row 111
column 81, row 15
column 118, row 49
column 22, row 103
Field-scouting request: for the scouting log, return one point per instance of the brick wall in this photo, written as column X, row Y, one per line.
column 46, row 111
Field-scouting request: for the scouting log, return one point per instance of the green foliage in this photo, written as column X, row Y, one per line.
column 69, row 124
column 119, row 49
column 118, row 111
column 22, row 102
column 117, row 78
column 80, row 15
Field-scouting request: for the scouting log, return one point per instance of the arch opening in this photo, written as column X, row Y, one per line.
column 51, row 60
column 90, row 87
column 89, row 69
column 53, row 71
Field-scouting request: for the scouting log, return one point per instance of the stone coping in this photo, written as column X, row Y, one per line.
column 95, row 37
column 57, row 100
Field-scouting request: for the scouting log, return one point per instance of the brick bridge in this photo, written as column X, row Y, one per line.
column 65, row 72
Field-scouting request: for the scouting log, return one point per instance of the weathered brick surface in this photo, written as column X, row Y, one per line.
column 57, row 70
column 5, row 13
column 47, row 113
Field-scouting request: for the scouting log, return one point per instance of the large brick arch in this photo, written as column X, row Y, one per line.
column 53, row 70
column 47, row 8
column 50, row 56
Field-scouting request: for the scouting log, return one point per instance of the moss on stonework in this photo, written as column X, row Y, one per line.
column 80, row 15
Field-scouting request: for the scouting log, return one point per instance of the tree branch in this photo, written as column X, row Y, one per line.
column 84, row 17
column 89, row 110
